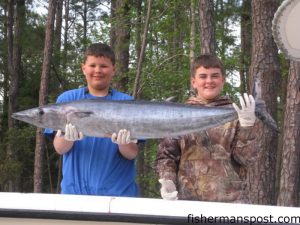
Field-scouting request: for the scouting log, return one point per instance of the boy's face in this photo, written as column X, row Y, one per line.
column 98, row 72
column 208, row 82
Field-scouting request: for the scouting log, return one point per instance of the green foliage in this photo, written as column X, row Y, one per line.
column 22, row 142
column 149, row 180
column 166, row 65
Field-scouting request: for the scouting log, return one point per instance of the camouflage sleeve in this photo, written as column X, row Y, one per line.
column 167, row 160
column 245, row 151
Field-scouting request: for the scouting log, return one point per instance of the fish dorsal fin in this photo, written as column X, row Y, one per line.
column 170, row 99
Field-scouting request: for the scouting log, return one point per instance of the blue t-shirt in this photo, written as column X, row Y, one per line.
column 94, row 166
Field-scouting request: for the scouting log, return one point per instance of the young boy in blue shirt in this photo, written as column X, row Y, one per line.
column 91, row 165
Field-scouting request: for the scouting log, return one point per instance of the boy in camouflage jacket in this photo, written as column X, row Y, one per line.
column 210, row 165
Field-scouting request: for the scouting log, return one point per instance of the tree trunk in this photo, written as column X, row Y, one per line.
column 192, row 32
column 285, row 67
column 265, row 69
column 43, row 92
column 136, row 88
column 290, row 166
column 66, row 37
column 245, row 46
column 121, row 27
column 58, row 81
column 85, row 23
column 207, row 28
column 113, row 4
column 3, row 119
column 138, row 27
column 58, row 26
column 15, row 31
column 179, row 15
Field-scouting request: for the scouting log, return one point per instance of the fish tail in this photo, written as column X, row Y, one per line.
column 265, row 117
column 260, row 108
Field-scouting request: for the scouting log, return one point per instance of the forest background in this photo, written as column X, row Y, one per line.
column 41, row 51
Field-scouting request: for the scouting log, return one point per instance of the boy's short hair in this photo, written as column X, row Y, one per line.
column 207, row 61
column 100, row 50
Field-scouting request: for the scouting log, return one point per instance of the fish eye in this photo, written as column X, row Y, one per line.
column 41, row 112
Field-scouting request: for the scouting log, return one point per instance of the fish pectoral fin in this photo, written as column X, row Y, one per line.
column 82, row 114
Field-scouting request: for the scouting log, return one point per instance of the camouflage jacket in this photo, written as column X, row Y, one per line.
column 211, row 165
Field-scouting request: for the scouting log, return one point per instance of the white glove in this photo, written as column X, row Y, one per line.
column 168, row 189
column 247, row 113
column 71, row 133
column 122, row 138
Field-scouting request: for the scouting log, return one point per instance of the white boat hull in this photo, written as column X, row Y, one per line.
column 44, row 209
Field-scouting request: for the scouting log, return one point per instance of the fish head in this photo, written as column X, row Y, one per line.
column 43, row 117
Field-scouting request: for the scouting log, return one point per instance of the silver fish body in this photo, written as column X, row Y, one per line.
column 144, row 120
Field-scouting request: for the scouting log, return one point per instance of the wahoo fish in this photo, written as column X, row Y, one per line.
column 144, row 119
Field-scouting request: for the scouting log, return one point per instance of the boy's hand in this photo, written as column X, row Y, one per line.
column 122, row 138
column 168, row 189
column 71, row 133
column 247, row 113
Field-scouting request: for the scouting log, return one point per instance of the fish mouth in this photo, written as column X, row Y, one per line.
column 23, row 116
column 18, row 115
